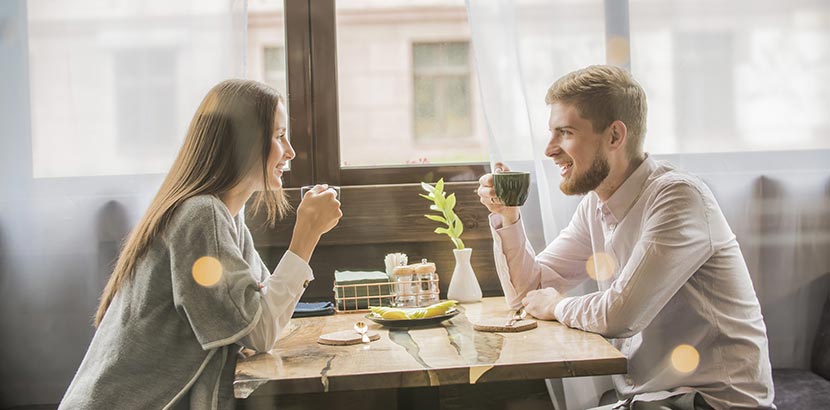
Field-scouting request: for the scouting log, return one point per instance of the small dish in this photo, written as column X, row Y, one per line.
column 427, row 321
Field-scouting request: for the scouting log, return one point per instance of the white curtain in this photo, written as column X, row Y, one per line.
column 737, row 95
column 96, row 98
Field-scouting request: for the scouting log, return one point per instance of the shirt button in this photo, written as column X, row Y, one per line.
column 305, row 284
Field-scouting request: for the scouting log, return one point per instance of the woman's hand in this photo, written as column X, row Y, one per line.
column 319, row 210
column 487, row 195
column 318, row 213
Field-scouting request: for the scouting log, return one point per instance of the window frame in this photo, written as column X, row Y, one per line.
column 311, row 73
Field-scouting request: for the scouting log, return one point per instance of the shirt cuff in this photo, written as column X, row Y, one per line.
column 512, row 237
column 292, row 271
column 559, row 310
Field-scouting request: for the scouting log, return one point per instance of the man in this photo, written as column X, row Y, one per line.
column 675, row 296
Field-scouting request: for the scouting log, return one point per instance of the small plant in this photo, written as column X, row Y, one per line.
column 444, row 205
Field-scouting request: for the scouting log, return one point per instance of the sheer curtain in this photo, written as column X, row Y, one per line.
column 737, row 95
column 96, row 98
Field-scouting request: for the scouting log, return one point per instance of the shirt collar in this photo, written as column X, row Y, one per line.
column 621, row 201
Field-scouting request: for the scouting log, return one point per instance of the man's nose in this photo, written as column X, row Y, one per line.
column 553, row 146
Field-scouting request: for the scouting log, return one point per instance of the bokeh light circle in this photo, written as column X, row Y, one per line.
column 685, row 358
column 207, row 271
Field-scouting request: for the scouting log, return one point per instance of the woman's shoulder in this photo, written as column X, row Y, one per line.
column 201, row 209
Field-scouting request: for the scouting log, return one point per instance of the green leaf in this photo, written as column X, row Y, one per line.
column 436, row 218
column 427, row 187
column 442, row 231
column 450, row 202
column 458, row 228
column 428, row 198
column 440, row 201
column 439, row 186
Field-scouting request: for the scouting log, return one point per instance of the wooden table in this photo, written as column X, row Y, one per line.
column 451, row 353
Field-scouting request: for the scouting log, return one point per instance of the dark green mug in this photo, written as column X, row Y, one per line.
column 512, row 187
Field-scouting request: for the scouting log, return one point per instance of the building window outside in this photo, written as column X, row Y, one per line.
column 442, row 100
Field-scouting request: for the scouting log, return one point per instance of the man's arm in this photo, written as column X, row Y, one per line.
column 561, row 265
column 675, row 243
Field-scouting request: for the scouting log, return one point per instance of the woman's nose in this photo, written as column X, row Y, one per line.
column 289, row 152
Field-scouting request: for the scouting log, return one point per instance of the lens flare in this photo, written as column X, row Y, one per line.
column 685, row 358
column 601, row 266
column 207, row 271
column 617, row 51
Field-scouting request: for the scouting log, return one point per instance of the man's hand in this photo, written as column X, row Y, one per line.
column 487, row 195
column 541, row 303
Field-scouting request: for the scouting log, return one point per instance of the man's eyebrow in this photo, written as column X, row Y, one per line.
column 564, row 127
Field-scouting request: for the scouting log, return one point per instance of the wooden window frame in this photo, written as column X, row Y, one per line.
column 311, row 73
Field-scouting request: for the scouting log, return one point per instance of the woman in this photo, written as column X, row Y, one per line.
column 189, row 289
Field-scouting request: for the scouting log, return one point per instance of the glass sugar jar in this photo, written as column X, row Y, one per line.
column 428, row 283
column 406, row 286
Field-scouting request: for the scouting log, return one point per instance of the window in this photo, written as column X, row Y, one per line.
column 355, row 72
column 274, row 67
column 146, row 124
column 405, row 82
column 705, row 115
column 442, row 90
column 736, row 78
column 116, row 83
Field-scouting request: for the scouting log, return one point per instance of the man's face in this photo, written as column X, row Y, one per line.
column 576, row 149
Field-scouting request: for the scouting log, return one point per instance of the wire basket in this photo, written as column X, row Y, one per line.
column 358, row 297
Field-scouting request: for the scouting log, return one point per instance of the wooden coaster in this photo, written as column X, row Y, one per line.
column 346, row 337
column 498, row 325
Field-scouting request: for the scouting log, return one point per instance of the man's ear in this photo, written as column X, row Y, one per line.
column 619, row 134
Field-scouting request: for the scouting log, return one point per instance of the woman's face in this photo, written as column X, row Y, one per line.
column 281, row 151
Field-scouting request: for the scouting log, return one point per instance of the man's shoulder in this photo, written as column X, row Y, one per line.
column 668, row 176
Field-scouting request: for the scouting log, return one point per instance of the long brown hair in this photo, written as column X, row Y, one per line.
column 231, row 129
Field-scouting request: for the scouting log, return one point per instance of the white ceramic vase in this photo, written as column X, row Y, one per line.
column 464, row 284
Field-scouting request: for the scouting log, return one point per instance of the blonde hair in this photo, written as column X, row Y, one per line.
column 604, row 94
column 230, row 130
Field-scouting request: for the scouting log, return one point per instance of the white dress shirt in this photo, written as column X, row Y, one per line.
column 669, row 272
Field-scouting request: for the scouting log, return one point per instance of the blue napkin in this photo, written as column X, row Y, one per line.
column 306, row 309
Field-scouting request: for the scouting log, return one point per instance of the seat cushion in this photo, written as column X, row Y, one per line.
column 797, row 389
column 821, row 344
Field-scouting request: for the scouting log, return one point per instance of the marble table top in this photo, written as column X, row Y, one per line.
column 449, row 353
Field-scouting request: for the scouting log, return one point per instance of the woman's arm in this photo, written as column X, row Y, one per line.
column 280, row 294
column 318, row 213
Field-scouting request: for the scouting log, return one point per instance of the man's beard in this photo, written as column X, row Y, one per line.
column 580, row 184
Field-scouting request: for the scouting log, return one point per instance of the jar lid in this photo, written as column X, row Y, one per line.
column 428, row 267
column 403, row 270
